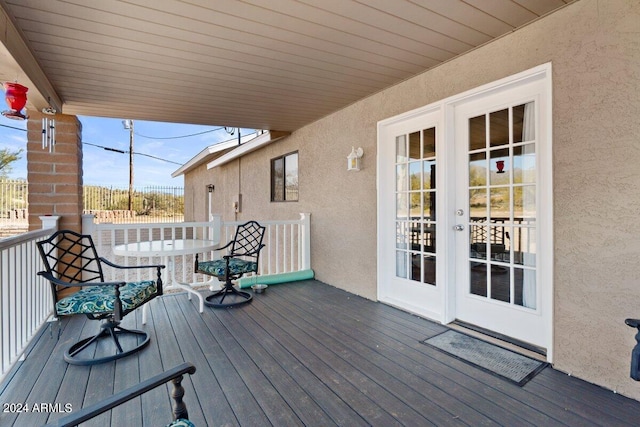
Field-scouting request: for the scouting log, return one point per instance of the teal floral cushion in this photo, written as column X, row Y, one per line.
column 236, row 266
column 181, row 423
column 100, row 299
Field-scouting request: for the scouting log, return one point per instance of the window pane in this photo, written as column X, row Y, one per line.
column 291, row 178
column 499, row 128
column 414, row 146
column 524, row 122
column 500, row 286
column 524, row 164
column 277, row 180
column 401, row 178
column 429, row 180
column 477, row 169
column 429, row 137
column 477, row 133
column 415, row 173
column 524, row 201
column 401, row 149
column 429, row 269
column 500, row 167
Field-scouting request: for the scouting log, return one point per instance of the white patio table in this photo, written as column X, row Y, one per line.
column 170, row 248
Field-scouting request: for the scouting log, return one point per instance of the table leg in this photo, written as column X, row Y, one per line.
column 186, row 286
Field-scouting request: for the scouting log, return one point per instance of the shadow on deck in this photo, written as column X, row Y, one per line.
column 300, row 354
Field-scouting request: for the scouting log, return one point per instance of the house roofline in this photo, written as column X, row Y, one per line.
column 255, row 144
column 217, row 148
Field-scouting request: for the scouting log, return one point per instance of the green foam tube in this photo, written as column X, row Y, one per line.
column 273, row 279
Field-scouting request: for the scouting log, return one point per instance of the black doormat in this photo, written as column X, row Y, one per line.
column 491, row 358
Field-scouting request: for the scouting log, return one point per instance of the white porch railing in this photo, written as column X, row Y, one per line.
column 25, row 298
column 287, row 246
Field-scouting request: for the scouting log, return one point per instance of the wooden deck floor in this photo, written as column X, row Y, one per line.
column 301, row 354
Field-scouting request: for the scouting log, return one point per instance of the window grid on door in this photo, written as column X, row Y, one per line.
column 415, row 191
column 502, row 205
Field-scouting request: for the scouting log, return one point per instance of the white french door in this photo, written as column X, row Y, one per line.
column 409, row 223
column 498, row 238
column 465, row 209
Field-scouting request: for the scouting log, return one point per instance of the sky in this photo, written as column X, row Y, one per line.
column 164, row 142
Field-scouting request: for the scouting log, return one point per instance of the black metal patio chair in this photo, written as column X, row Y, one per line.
column 243, row 258
column 75, row 272
column 180, row 413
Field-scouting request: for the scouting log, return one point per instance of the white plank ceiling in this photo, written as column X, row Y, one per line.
column 264, row 64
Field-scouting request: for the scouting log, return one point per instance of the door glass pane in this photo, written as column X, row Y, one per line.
column 500, row 202
column 416, row 236
column 401, row 149
column 524, row 164
column 414, row 146
column 525, row 287
column 429, row 238
column 429, row 143
column 429, row 269
column 477, row 133
column 415, row 175
column 524, row 246
column 401, row 264
column 478, row 203
column 416, row 267
column 478, row 238
column 524, row 128
column 500, row 167
column 401, row 177
column 402, row 206
column 429, row 205
column 478, row 278
column 429, row 174
column 499, row 128
column 499, row 243
column 477, row 169
column 524, row 201
column 500, row 283
column 402, row 235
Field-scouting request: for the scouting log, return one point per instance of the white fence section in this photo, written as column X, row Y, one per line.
column 25, row 298
column 287, row 246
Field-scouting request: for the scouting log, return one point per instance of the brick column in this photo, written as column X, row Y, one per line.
column 55, row 179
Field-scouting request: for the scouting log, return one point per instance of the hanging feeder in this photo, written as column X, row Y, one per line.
column 16, row 97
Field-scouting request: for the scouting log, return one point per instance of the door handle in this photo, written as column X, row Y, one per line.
column 458, row 227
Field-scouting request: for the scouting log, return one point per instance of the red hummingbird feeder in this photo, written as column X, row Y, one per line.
column 16, row 97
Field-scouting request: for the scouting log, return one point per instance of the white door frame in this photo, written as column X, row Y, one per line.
column 446, row 311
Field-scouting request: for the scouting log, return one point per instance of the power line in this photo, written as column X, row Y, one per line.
column 125, row 152
column 13, row 127
column 178, row 137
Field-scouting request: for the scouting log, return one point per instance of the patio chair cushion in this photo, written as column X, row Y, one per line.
column 100, row 299
column 181, row 423
column 236, row 266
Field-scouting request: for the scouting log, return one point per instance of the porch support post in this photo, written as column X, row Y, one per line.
column 305, row 240
column 55, row 178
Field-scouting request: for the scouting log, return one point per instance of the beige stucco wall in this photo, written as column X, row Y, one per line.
column 594, row 48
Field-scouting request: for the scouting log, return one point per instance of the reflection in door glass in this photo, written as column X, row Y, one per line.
column 478, row 279
column 499, row 128
column 503, row 208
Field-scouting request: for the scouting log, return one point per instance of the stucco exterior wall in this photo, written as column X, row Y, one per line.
column 594, row 48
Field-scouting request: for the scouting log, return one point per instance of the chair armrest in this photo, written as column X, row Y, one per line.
column 50, row 277
column 111, row 264
column 174, row 374
column 237, row 254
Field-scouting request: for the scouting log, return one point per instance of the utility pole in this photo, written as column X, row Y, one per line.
column 128, row 124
